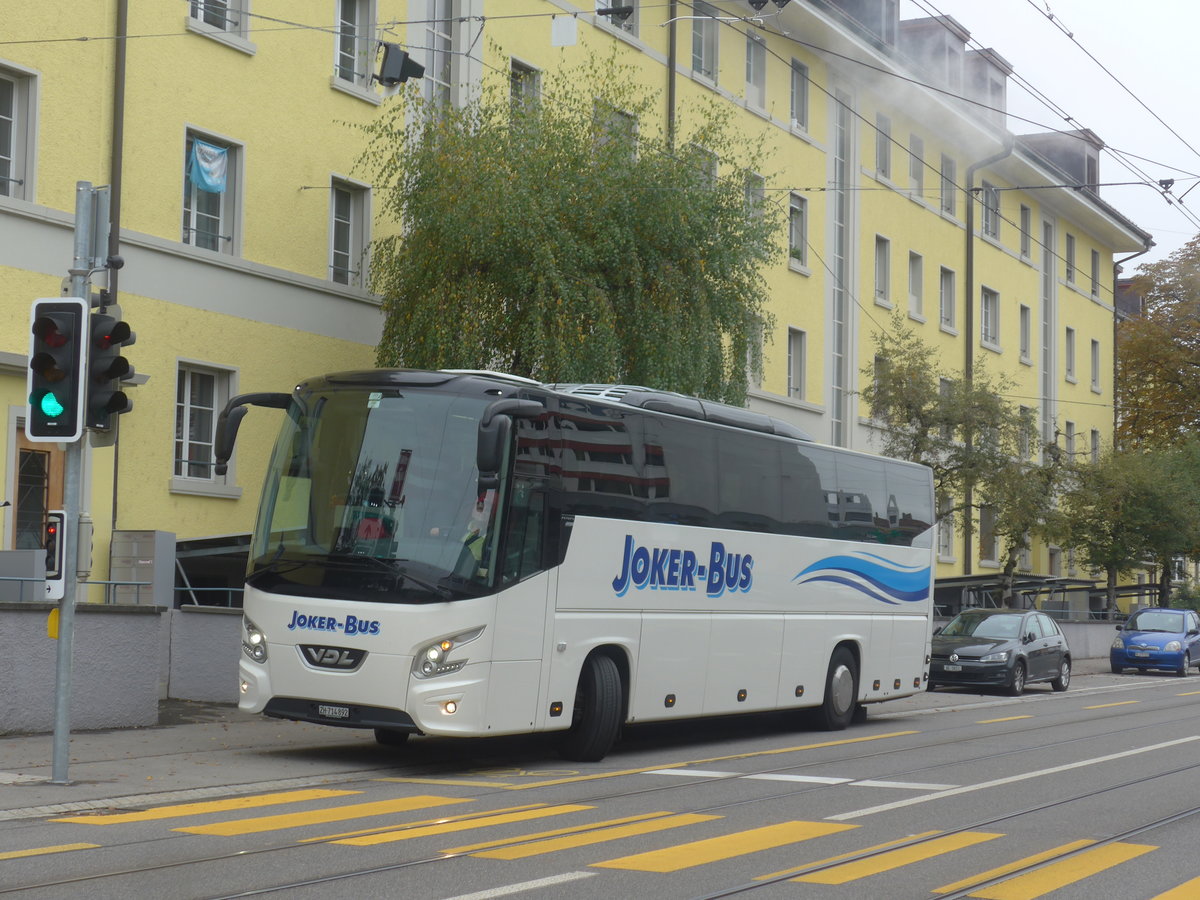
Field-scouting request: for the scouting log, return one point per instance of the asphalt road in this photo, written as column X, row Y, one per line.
column 1088, row 793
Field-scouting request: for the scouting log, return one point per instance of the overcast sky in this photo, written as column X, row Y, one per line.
column 1152, row 47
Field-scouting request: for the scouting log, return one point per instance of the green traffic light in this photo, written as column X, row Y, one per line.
column 50, row 405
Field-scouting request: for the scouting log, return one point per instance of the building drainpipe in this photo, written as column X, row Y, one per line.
column 1117, row 266
column 672, row 59
column 114, row 167
column 969, row 322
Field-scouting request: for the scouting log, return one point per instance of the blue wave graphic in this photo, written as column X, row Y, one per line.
column 870, row 574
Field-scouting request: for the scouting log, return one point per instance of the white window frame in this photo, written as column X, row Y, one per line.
column 1069, row 354
column 756, row 71
column 756, row 194
column 1095, row 274
column 798, row 231
column 1026, row 232
column 1069, row 259
column 354, row 43
column 441, row 35
column 949, row 171
column 916, row 165
column 226, row 21
column 1025, row 432
column 945, row 539
column 224, row 386
column 990, row 199
column 916, row 286
column 799, row 95
column 525, row 83
column 18, row 156
column 1095, row 446
column 705, row 42
column 946, row 289
column 349, row 232
column 883, row 267
column 797, row 350
column 883, row 146
column 1095, row 357
column 1069, row 439
column 989, row 317
column 228, row 203
column 629, row 25
column 1026, row 329
column 989, row 552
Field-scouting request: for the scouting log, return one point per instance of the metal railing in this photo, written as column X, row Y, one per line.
column 39, row 592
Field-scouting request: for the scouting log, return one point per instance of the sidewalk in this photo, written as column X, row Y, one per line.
column 203, row 750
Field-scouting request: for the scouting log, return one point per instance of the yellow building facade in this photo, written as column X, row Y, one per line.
column 887, row 153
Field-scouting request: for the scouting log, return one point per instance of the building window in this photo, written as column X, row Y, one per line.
column 355, row 42
column 916, row 285
column 1025, row 433
column 756, row 194
column 883, row 251
column 525, row 84
column 1069, row 354
column 348, row 233
column 796, row 349
column 945, row 391
column 883, row 146
column 945, row 546
column 16, row 134
column 880, row 367
column 1095, row 448
column 629, row 24
column 1095, row 273
column 1026, row 231
column 989, row 544
column 439, row 51
column 754, row 354
column 948, row 187
column 1069, row 439
column 799, row 94
column 989, row 317
column 210, row 193
column 614, row 124
column 946, row 298
column 756, row 71
column 201, row 393
column 798, row 230
column 706, row 164
column 991, row 210
column 1026, row 334
column 1096, row 366
column 916, row 164
column 223, row 15
column 1070, row 260
column 704, row 41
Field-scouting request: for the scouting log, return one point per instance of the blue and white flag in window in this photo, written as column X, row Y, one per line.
column 207, row 167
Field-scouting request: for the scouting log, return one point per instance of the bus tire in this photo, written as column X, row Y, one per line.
column 596, row 719
column 390, row 737
column 841, row 691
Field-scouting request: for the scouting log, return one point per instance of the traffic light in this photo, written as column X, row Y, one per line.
column 107, row 368
column 57, row 357
column 54, row 544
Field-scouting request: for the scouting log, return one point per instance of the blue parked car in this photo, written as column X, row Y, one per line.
column 1156, row 638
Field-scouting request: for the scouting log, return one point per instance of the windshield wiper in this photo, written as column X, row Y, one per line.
column 394, row 567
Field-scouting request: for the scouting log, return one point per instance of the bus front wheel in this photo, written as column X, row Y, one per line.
column 596, row 719
column 841, row 691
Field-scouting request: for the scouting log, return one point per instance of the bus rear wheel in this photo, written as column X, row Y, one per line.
column 841, row 691
column 596, row 719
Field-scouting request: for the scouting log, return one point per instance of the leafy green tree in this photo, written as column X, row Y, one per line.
column 565, row 239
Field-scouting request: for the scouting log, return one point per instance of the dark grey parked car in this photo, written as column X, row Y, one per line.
column 1006, row 648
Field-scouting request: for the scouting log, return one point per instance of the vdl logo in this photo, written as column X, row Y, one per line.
column 671, row 569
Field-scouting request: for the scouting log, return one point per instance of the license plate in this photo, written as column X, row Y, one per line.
column 333, row 712
column 951, row 668
column 1142, row 653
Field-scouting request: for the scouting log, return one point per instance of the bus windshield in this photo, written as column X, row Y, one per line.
column 373, row 495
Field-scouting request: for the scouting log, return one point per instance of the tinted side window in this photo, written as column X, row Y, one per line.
column 748, row 473
column 1048, row 625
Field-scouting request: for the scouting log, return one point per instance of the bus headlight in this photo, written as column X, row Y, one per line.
column 254, row 642
column 434, row 659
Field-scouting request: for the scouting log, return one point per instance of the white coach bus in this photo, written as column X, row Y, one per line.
column 473, row 554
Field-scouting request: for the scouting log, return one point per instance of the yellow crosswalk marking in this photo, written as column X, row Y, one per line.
column 894, row 859
column 420, row 824
column 319, row 816
column 205, row 806
column 1060, row 874
column 571, row 829
column 42, row 851
column 598, row 836
column 841, row 856
column 1012, row 867
column 387, row 837
column 1189, row 890
column 698, row 853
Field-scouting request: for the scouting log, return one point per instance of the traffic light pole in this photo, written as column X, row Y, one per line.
column 72, row 493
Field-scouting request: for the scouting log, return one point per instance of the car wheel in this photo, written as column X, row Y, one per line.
column 1064, row 675
column 1016, row 684
column 1182, row 671
column 1116, row 670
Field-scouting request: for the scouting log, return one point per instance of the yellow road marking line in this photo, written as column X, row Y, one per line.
column 1106, row 705
column 598, row 836
column 206, row 806
column 1005, row 719
column 1189, row 890
column 319, row 816
column 1012, row 867
column 42, row 851
column 420, row 824
column 728, row 846
column 449, row 782
column 840, row 856
column 573, row 829
column 894, row 859
column 387, row 837
column 1060, row 874
column 1187, row 694
column 573, row 779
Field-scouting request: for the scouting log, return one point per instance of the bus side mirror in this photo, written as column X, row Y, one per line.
column 230, row 420
column 495, row 429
